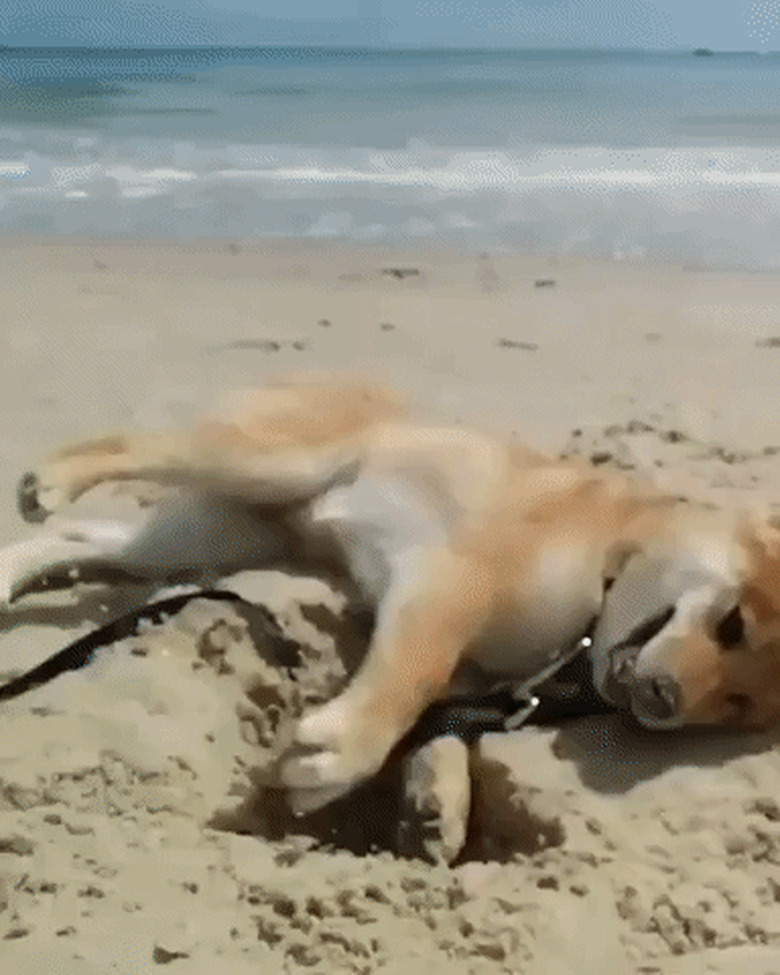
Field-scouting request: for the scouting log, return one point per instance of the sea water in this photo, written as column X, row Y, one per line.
column 627, row 155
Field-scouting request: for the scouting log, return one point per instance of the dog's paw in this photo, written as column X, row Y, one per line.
column 36, row 500
column 17, row 566
column 336, row 747
column 436, row 801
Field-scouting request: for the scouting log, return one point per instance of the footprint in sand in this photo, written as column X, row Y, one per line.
column 400, row 273
column 514, row 344
column 487, row 276
column 258, row 345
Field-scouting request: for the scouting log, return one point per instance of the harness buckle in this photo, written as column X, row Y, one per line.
column 527, row 693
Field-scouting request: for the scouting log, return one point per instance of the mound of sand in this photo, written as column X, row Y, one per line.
column 140, row 824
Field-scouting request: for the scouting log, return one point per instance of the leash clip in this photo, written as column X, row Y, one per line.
column 525, row 693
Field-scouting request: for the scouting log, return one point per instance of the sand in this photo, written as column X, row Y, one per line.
column 127, row 791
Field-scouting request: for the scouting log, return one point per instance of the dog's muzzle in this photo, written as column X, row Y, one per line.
column 653, row 699
column 630, row 669
column 27, row 499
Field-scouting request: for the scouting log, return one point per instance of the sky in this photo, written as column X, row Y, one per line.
column 719, row 24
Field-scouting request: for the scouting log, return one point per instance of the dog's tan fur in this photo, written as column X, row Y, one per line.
column 505, row 558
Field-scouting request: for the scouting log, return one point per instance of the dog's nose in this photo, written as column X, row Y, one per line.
column 656, row 698
column 27, row 501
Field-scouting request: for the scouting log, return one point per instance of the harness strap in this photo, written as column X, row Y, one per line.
column 528, row 692
column 562, row 689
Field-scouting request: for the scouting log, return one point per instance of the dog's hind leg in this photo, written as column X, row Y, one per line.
column 283, row 446
column 274, row 479
column 69, row 545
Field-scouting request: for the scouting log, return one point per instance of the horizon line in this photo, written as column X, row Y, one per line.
column 400, row 46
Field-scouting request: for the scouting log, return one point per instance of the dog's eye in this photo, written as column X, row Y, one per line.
column 741, row 706
column 730, row 632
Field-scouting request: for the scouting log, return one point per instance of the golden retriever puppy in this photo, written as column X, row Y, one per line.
column 481, row 559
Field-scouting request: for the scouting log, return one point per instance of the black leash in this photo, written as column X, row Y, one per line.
column 563, row 689
column 79, row 653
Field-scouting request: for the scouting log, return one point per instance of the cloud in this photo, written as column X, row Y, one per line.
column 552, row 23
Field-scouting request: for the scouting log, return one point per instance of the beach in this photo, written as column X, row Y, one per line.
column 609, row 849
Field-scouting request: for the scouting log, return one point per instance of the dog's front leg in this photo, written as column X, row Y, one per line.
column 422, row 632
column 436, row 800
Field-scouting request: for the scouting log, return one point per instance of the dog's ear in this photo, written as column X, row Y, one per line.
column 616, row 559
column 759, row 536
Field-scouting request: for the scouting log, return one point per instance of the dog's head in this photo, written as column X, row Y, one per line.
column 692, row 635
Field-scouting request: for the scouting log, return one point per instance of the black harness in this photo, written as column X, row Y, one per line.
column 562, row 689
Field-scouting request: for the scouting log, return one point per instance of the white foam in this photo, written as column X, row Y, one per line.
column 13, row 170
column 718, row 204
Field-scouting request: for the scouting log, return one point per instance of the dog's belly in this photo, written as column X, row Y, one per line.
column 381, row 526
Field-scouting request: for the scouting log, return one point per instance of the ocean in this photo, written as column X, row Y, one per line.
column 625, row 155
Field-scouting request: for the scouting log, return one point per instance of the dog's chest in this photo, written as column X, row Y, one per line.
column 384, row 526
column 549, row 609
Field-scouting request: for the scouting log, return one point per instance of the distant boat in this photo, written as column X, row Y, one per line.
column 703, row 52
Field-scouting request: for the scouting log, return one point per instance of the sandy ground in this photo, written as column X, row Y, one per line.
column 127, row 790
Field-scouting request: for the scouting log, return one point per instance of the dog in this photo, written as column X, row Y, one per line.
column 480, row 558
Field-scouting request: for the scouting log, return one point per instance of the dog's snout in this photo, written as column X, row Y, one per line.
column 656, row 698
column 27, row 501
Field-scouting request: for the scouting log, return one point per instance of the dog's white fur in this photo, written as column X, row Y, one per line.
column 481, row 558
